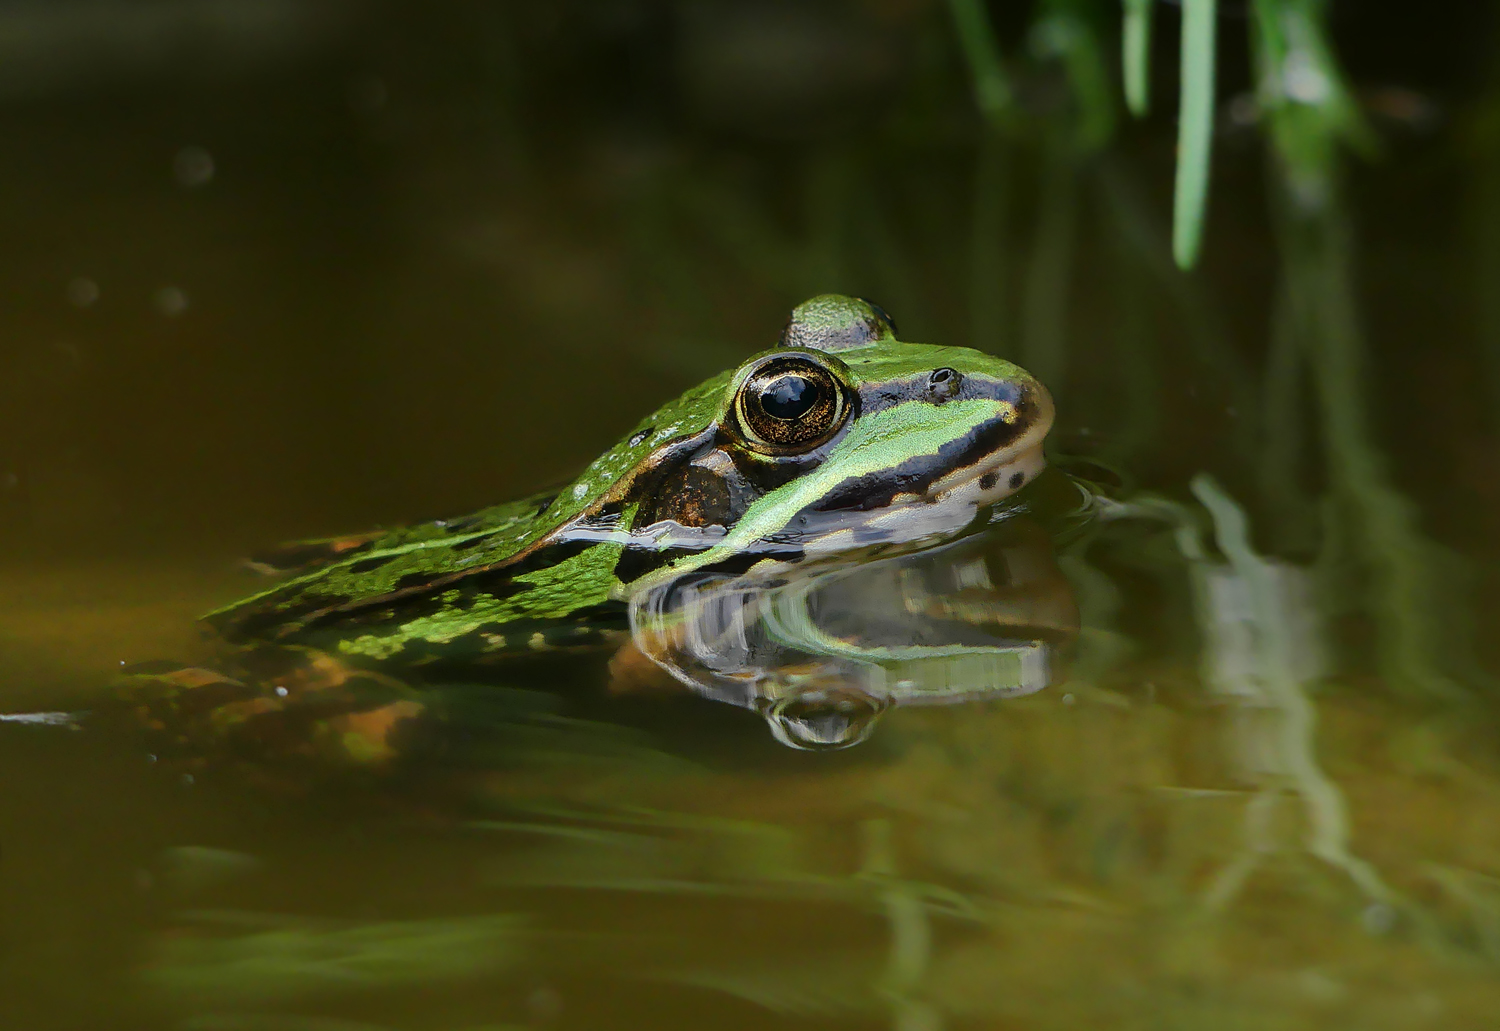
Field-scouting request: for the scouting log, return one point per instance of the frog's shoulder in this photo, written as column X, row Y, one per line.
column 341, row 571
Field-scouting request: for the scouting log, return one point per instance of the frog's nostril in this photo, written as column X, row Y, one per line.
column 943, row 383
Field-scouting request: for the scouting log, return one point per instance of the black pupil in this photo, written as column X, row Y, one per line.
column 789, row 397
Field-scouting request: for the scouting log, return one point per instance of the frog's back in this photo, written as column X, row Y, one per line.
column 523, row 574
column 458, row 588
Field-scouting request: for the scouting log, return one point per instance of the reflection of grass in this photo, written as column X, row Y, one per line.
column 1308, row 113
column 1038, row 863
column 1289, row 750
column 1477, row 896
column 1411, row 603
column 230, row 957
column 659, row 851
column 1261, row 656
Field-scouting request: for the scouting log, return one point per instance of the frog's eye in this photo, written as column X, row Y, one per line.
column 790, row 405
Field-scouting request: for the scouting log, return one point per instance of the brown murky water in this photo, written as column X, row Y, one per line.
column 311, row 268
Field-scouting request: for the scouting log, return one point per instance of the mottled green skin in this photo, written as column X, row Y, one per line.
column 541, row 572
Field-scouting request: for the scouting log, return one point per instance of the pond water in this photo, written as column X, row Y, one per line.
column 282, row 271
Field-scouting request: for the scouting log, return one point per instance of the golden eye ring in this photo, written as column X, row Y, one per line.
column 789, row 404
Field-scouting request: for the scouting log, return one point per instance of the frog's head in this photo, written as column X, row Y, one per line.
column 877, row 423
column 845, row 434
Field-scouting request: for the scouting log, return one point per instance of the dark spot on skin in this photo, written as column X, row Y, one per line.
column 411, row 580
column 987, row 481
column 640, row 437
column 367, row 565
column 370, row 617
column 491, row 580
column 545, row 502
column 1016, row 479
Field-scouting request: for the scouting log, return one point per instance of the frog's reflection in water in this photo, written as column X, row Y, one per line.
column 822, row 649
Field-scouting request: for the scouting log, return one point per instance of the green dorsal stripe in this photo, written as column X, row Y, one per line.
column 881, row 440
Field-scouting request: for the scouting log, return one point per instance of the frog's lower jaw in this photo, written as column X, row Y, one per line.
column 945, row 509
column 987, row 482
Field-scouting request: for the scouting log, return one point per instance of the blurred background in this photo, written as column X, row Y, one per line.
column 285, row 268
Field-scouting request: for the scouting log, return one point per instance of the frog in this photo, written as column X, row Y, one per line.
column 842, row 436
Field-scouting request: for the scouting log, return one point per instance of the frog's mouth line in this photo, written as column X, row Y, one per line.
column 988, row 463
column 1003, row 472
column 929, row 515
column 987, row 447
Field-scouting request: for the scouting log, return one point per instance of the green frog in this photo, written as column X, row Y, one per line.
column 842, row 437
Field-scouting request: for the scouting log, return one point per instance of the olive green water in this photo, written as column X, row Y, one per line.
column 327, row 268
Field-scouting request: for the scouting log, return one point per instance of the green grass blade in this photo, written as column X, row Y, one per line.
column 1072, row 38
column 1194, row 130
column 1136, row 56
column 976, row 35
